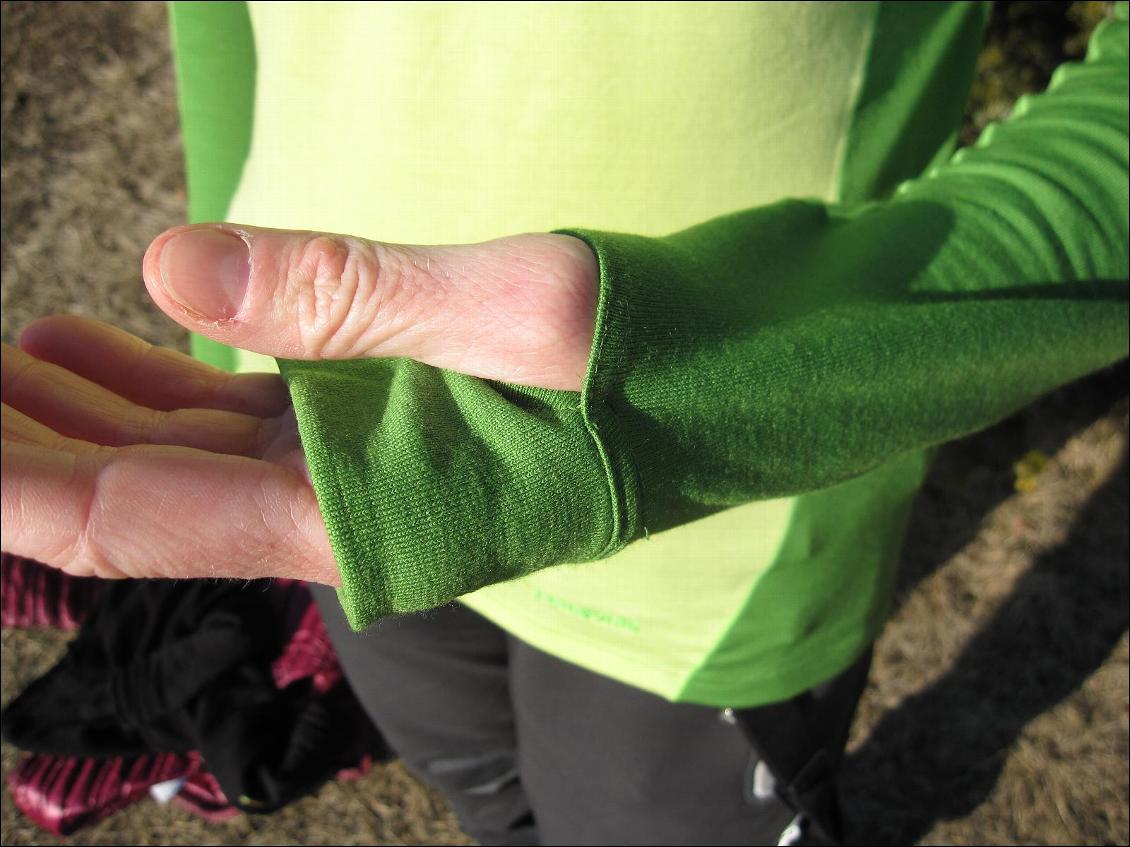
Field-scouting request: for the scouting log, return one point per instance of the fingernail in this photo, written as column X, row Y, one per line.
column 206, row 271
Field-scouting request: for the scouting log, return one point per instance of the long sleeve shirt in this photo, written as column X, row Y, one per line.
column 801, row 292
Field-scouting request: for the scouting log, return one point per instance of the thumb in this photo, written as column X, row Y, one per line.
column 519, row 309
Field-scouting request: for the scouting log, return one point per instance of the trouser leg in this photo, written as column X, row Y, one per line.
column 436, row 685
column 469, row 708
column 605, row 763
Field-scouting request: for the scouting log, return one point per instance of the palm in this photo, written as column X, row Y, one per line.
column 121, row 459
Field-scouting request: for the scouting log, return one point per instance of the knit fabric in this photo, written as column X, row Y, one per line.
column 804, row 352
column 768, row 352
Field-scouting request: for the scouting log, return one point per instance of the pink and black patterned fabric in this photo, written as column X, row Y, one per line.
column 61, row 791
column 34, row 595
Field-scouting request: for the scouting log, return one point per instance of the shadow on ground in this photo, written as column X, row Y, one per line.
column 938, row 755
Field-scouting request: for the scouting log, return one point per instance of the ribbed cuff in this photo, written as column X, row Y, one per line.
column 433, row 484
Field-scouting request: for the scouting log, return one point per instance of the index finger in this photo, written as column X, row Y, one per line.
column 148, row 375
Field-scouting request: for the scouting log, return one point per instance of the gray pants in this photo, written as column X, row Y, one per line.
column 529, row 749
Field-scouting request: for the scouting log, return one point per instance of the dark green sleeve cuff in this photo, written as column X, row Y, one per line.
column 433, row 484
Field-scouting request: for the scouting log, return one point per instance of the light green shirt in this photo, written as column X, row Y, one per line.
column 752, row 433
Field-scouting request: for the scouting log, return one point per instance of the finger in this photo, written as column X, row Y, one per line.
column 161, row 512
column 519, row 309
column 151, row 376
column 77, row 408
column 19, row 428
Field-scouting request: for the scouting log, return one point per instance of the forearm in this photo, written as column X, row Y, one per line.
column 783, row 349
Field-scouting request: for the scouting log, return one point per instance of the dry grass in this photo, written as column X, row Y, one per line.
column 91, row 169
column 997, row 707
column 997, row 710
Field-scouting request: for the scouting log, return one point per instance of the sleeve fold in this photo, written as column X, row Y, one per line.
column 433, row 484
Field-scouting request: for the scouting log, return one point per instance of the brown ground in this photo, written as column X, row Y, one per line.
column 997, row 707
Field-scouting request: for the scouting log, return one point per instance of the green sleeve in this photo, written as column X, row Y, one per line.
column 214, row 53
column 765, row 353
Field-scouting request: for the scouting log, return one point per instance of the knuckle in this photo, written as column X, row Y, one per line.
column 338, row 283
column 138, row 425
column 85, row 559
column 85, row 555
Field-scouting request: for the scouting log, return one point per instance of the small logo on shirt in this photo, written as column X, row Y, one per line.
column 587, row 613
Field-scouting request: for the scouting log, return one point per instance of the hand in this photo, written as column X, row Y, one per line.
column 126, row 460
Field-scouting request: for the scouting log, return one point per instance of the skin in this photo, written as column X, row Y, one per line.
column 121, row 459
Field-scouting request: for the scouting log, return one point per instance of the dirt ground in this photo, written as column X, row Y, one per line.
column 996, row 712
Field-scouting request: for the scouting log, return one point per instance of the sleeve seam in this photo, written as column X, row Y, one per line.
column 615, row 458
